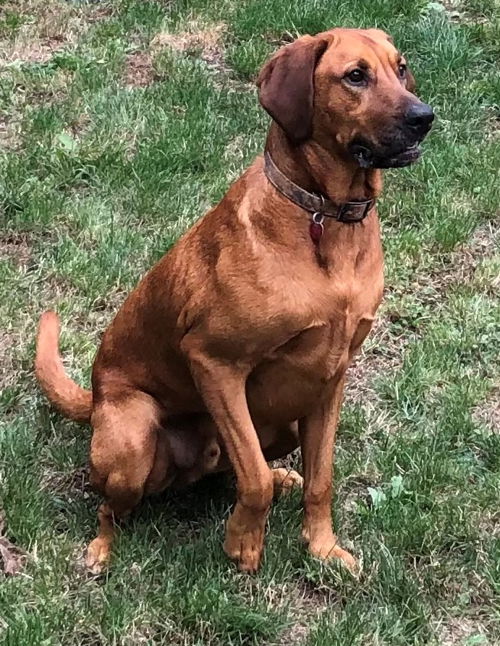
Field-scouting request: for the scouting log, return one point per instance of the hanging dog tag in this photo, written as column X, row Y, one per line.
column 316, row 227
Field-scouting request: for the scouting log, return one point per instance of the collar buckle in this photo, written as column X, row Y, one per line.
column 354, row 211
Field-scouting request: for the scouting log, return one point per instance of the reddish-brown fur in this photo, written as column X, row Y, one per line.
column 72, row 400
column 244, row 328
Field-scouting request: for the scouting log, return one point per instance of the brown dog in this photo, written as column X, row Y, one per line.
column 248, row 325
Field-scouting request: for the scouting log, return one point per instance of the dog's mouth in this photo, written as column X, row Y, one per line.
column 404, row 158
column 368, row 158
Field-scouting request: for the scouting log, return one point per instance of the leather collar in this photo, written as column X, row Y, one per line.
column 318, row 205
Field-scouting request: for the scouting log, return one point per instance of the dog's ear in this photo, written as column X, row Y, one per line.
column 411, row 86
column 286, row 85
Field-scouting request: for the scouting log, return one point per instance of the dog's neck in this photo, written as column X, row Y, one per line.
column 318, row 170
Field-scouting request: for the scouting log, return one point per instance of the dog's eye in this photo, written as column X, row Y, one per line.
column 356, row 77
column 402, row 70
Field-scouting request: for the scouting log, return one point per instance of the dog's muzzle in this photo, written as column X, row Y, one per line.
column 401, row 147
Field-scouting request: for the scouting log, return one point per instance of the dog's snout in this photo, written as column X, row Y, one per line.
column 419, row 117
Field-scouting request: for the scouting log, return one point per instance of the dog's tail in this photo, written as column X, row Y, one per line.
column 67, row 396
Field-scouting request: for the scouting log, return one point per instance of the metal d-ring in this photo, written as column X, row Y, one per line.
column 316, row 228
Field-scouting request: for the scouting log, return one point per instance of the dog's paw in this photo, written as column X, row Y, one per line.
column 285, row 480
column 329, row 551
column 326, row 547
column 97, row 556
column 244, row 545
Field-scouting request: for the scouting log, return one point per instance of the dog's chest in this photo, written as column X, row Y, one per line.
column 296, row 374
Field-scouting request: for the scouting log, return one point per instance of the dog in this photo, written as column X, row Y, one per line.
column 233, row 349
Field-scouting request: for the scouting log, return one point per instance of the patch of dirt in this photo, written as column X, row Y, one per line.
column 7, row 344
column 456, row 12
column 145, row 634
column 487, row 413
column 79, row 125
column 71, row 484
column 52, row 26
column 39, row 51
column 7, row 134
column 22, row 97
column 489, row 523
column 16, row 248
column 204, row 40
column 459, row 632
column 99, row 13
column 356, row 485
column 382, row 354
column 461, row 265
column 12, row 558
column 200, row 40
column 304, row 604
column 139, row 70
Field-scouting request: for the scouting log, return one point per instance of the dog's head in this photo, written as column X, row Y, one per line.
column 350, row 91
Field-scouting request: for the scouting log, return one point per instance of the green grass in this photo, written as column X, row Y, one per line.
column 100, row 174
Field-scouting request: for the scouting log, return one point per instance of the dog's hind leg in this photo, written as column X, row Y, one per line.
column 285, row 440
column 122, row 457
column 284, row 480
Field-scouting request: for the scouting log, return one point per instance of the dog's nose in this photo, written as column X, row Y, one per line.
column 419, row 117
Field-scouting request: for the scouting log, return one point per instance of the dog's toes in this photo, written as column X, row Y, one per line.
column 249, row 560
column 245, row 550
column 330, row 552
column 285, row 480
column 328, row 548
column 244, row 546
column 98, row 555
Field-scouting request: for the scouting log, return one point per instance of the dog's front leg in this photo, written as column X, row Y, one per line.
column 317, row 438
column 222, row 387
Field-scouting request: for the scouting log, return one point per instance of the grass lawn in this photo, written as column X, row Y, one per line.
column 121, row 122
